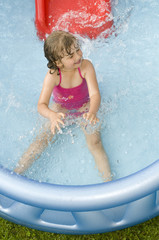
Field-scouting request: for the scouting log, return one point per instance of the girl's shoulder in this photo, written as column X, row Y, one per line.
column 52, row 76
column 86, row 66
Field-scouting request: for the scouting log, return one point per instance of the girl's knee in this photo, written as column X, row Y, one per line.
column 94, row 141
column 43, row 139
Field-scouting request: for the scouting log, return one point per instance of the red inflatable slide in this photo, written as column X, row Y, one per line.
column 85, row 17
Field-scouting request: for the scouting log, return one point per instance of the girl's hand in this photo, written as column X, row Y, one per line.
column 91, row 117
column 55, row 119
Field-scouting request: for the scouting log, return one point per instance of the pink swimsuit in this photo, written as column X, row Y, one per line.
column 71, row 98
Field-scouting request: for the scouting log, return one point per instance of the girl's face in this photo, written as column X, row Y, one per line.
column 73, row 60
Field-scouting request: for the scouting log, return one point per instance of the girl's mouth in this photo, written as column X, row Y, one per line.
column 78, row 62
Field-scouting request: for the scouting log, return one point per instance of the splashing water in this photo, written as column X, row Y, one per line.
column 126, row 66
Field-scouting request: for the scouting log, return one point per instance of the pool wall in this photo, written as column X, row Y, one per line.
column 80, row 209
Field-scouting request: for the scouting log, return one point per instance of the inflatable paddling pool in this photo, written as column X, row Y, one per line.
column 86, row 209
column 80, row 209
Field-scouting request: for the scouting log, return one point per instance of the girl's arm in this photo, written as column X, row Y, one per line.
column 93, row 89
column 43, row 103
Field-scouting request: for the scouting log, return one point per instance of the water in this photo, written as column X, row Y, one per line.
column 128, row 76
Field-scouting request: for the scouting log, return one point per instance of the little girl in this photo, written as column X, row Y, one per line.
column 72, row 81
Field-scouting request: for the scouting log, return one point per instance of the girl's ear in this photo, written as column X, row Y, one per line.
column 59, row 64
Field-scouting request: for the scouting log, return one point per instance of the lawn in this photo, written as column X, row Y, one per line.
column 145, row 231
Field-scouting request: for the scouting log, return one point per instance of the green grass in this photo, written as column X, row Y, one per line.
column 145, row 231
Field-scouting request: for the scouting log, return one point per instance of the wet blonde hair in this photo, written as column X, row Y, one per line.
column 56, row 45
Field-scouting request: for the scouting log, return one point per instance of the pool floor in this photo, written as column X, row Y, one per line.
column 128, row 76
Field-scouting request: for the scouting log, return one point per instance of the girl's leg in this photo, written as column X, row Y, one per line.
column 38, row 146
column 34, row 151
column 96, row 148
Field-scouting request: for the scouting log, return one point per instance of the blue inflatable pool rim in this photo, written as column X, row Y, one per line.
column 80, row 209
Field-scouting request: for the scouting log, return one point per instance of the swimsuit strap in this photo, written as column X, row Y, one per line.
column 79, row 70
column 60, row 76
column 80, row 73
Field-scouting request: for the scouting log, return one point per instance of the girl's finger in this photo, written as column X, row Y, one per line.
column 60, row 121
column 58, row 127
column 92, row 119
column 53, row 130
column 62, row 115
column 85, row 116
column 95, row 121
column 88, row 117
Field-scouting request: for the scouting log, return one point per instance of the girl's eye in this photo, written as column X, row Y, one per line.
column 71, row 56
